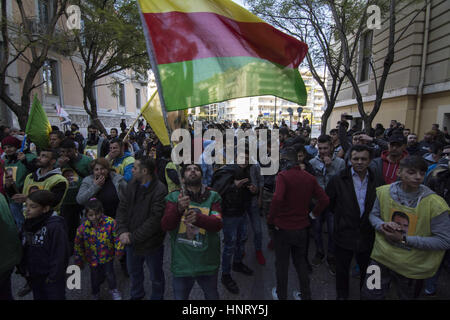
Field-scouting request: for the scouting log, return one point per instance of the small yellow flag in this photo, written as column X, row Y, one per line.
column 152, row 113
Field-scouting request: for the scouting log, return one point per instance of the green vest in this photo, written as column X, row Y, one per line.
column 121, row 167
column 171, row 186
column 409, row 262
column 195, row 252
column 46, row 184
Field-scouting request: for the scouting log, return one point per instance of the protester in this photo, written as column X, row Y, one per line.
column 387, row 165
column 352, row 194
column 96, row 244
column 78, row 137
column 17, row 165
column 10, row 249
column 96, row 146
column 311, row 147
column 194, row 221
column 232, row 182
column 410, row 248
column 288, row 215
column 55, row 138
column 113, row 134
column 413, row 147
column 74, row 167
column 45, row 247
column 46, row 177
column 121, row 160
column 139, row 227
column 325, row 167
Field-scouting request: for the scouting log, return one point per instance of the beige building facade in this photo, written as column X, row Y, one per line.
column 118, row 96
column 421, row 64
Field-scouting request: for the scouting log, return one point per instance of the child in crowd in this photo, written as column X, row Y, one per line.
column 45, row 247
column 96, row 243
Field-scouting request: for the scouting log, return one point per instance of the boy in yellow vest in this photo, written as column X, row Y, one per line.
column 412, row 233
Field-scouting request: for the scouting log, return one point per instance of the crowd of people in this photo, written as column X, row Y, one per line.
column 382, row 196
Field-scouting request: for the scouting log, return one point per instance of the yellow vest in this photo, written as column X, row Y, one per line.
column 46, row 184
column 409, row 262
column 171, row 186
column 121, row 167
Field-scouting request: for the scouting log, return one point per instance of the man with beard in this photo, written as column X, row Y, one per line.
column 96, row 146
column 45, row 178
column 194, row 221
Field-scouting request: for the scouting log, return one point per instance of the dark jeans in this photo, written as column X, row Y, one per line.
column 287, row 243
column 255, row 223
column 407, row 289
column 343, row 260
column 98, row 275
column 135, row 265
column 328, row 218
column 71, row 214
column 48, row 291
column 182, row 287
column 234, row 238
column 5, row 286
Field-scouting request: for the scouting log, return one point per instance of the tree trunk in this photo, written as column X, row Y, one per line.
column 92, row 109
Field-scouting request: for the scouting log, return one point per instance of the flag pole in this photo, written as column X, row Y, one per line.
column 140, row 114
column 155, row 70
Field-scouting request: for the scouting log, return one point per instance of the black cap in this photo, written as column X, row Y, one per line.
column 397, row 138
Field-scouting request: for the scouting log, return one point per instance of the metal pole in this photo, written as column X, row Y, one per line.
column 275, row 114
column 154, row 65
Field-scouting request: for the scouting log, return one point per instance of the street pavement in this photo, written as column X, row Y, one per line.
column 256, row 287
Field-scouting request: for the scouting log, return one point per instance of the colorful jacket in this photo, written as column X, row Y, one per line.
column 97, row 245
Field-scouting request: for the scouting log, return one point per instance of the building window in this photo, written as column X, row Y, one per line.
column 45, row 11
column 121, row 94
column 50, row 77
column 138, row 98
column 365, row 55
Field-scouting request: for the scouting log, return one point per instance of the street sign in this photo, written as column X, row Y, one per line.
column 299, row 109
column 290, row 111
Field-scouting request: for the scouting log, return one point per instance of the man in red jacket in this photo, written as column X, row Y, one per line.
column 288, row 216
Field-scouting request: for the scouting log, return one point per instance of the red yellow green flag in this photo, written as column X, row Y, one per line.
column 207, row 51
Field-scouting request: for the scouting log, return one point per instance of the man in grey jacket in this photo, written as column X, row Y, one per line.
column 139, row 228
column 325, row 166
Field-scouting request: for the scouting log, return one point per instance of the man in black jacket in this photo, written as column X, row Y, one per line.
column 232, row 182
column 139, row 227
column 352, row 194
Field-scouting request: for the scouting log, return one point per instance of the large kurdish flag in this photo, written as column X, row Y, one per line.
column 209, row 51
